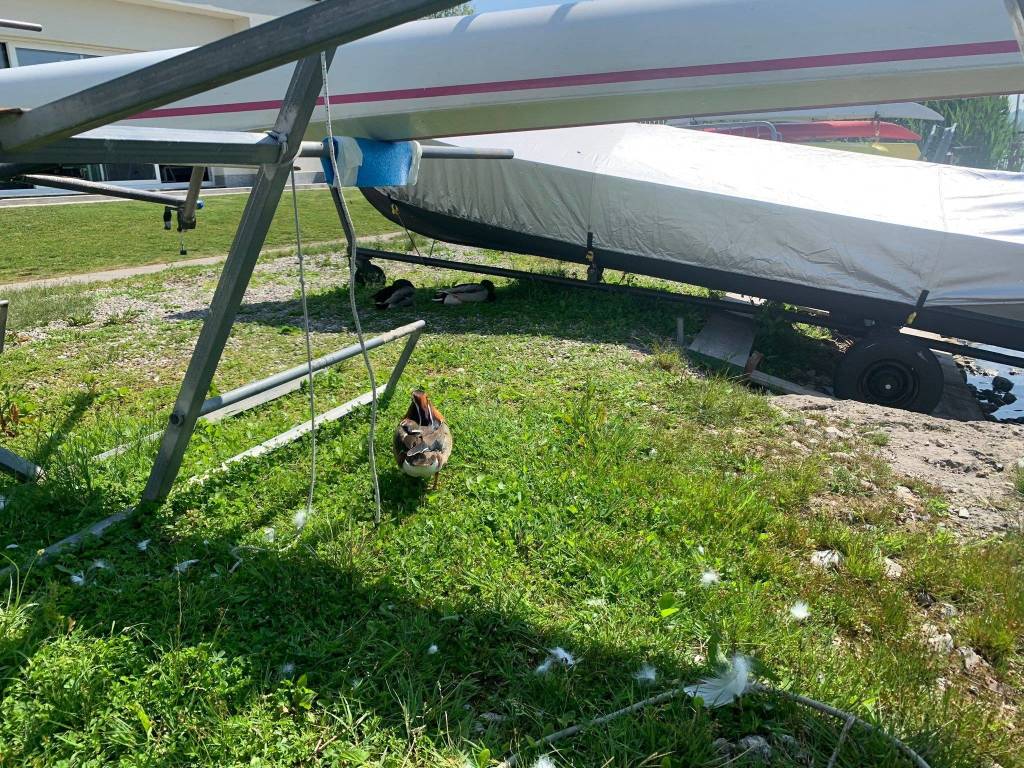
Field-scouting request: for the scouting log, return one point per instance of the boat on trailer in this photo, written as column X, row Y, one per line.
column 876, row 243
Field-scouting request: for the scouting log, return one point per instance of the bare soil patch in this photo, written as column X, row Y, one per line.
column 972, row 463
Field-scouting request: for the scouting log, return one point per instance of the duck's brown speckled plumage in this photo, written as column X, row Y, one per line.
column 423, row 441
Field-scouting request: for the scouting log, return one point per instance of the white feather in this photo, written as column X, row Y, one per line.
column 556, row 656
column 286, row 670
column 432, row 650
column 646, row 675
column 143, row 545
column 710, row 577
column 184, row 565
column 101, row 565
column 544, row 762
column 726, row 688
column 799, row 610
column 299, row 519
column 10, row 546
column 78, row 579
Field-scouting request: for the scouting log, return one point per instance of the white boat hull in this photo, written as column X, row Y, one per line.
column 600, row 62
column 871, row 237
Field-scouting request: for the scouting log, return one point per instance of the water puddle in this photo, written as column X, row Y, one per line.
column 980, row 374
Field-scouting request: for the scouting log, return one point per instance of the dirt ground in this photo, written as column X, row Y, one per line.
column 973, row 463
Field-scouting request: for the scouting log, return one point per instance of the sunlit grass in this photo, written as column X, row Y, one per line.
column 597, row 474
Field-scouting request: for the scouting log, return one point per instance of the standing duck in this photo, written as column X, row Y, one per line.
column 423, row 442
column 466, row 293
column 399, row 294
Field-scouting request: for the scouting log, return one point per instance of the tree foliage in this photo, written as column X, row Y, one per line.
column 984, row 131
column 463, row 9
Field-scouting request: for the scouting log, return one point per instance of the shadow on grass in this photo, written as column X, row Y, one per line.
column 79, row 406
column 253, row 651
column 521, row 307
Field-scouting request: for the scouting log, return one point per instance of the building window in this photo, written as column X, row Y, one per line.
column 5, row 60
column 29, row 56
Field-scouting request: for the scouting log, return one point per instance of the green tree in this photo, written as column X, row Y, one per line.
column 463, row 9
column 984, row 131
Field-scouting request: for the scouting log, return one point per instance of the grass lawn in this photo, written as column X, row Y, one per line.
column 127, row 234
column 597, row 475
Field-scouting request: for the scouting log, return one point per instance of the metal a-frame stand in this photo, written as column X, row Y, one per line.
column 292, row 120
column 77, row 128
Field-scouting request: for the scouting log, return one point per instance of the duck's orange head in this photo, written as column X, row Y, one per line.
column 422, row 410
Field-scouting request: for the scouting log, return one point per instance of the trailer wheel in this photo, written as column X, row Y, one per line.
column 890, row 370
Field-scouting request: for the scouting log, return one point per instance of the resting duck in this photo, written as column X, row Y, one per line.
column 399, row 294
column 466, row 293
column 423, row 442
column 368, row 273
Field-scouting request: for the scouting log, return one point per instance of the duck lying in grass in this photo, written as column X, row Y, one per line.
column 423, row 442
column 368, row 273
column 466, row 293
column 399, row 294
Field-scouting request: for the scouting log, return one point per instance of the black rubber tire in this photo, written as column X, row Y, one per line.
column 890, row 370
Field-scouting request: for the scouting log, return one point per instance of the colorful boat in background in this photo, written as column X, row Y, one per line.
column 873, row 137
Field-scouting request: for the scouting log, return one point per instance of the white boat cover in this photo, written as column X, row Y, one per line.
column 870, row 226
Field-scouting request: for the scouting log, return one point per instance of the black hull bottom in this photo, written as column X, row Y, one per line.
column 955, row 323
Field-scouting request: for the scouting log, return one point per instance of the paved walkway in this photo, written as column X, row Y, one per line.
column 148, row 269
column 80, row 199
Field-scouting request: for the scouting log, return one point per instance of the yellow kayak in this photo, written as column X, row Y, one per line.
column 904, row 150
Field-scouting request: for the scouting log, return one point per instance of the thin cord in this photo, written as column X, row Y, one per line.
column 309, row 355
column 349, row 227
column 514, row 760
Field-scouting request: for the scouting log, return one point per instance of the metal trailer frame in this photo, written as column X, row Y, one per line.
column 264, row 391
column 810, row 317
column 51, row 134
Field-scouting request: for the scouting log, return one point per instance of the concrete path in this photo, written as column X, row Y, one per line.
column 148, row 269
column 80, row 199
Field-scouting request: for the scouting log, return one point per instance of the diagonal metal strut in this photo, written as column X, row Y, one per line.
column 292, row 120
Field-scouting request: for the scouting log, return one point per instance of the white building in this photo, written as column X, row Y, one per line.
column 74, row 29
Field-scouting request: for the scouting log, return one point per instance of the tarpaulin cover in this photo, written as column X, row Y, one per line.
column 871, row 226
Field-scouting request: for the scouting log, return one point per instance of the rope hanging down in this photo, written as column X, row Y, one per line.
column 347, row 225
column 302, row 518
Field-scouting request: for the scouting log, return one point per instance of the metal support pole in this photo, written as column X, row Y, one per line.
column 430, row 152
column 188, row 208
column 28, row 26
column 5, row 305
column 293, row 120
column 18, row 466
column 220, row 402
column 96, row 188
column 396, row 374
column 166, row 146
column 1016, row 9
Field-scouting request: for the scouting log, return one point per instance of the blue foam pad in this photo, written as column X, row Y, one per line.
column 370, row 163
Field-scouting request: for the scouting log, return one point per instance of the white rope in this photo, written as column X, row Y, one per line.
column 352, row 248
column 309, row 357
column 514, row 760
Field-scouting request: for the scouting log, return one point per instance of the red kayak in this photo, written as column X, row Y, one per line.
column 820, row 130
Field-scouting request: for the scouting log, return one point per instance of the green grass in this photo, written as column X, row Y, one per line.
column 35, row 306
column 73, row 239
column 596, row 475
